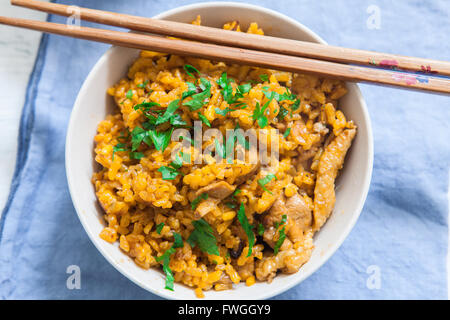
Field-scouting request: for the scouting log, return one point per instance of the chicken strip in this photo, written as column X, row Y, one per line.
column 330, row 163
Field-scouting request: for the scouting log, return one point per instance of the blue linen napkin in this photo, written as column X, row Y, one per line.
column 398, row 248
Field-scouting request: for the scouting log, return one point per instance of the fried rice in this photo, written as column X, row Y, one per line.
column 212, row 225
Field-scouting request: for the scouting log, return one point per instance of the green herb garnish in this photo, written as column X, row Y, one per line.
column 282, row 234
column 287, row 132
column 264, row 77
column 129, row 94
column 260, row 229
column 190, row 69
column 262, row 182
column 199, row 99
column 247, row 228
column 168, row 173
column 197, row 200
column 119, row 147
column 204, row 120
column 259, row 113
column 203, row 237
column 282, row 113
column 143, row 85
column 227, row 89
column 169, row 113
column 171, row 172
column 160, row 139
column 178, row 243
column 159, row 228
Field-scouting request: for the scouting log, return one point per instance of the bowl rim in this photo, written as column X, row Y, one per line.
column 276, row 289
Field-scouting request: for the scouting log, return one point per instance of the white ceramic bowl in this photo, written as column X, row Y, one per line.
column 93, row 104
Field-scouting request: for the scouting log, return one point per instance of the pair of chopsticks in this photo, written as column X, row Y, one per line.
column 246, row 49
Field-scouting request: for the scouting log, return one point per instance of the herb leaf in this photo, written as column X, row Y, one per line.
column 287, row 132
column 118, row 147
column 178, row 243
column 260, row 229
column 197, row 200
column 247, row 228
column 203, row 237
column 190, row 69
column 220, row 149
column 204, row 120
column 262, row 182
column 282, row 113
column 143, row 85
column 129, row 94
column 159, row 228
column 160, row 139
column 282, row 234
column 280, row 240
column 171, row 108
column 168, row 173
column 199, row 99
column 264, row 77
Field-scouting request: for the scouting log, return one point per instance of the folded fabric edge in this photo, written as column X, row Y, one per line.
column 26, row 125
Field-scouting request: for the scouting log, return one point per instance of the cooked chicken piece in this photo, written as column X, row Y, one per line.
column 245, row 177
column 299, row 131
column 288, row 261
column 218, row 190
column 329, row 164
column 205, row 207
column 299, row 218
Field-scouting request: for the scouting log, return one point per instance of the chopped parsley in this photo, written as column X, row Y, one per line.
column 160, row 139
column 168, row 173
column 288, row 95
column 282, row 234
column 220, row 149
column 242, row 141
column 264, row 77
column 204, row 119
column 262, row 182
column 203, row 237
column 122, row 146
column 143, row 85
column 230, row 205
column 129, row 94
column 287, row 132
column 119, row 147
column 171, row 172
column 247, row 228
column 190, row 69
column 227, row 90
column 146, row 106
column 169, row 113
column 165, row 258
column 159, row 228
column 200, row 99
column 197, row 200
column 282, row 113
column 260, row 229
column 259, row 112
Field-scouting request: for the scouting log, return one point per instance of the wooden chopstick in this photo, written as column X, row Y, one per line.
column 244, row 40
column 239, row 56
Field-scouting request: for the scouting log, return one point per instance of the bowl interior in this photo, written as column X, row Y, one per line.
column 93, row 104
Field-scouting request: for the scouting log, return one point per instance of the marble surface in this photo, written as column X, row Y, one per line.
column 18, row 49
